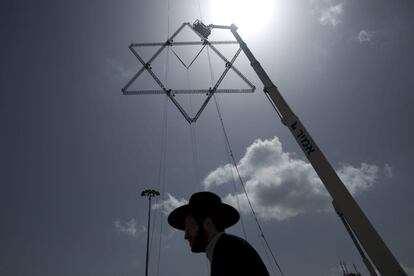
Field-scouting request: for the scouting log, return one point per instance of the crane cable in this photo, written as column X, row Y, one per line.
column 162, row 175
column 201, row 17
column 239, row 176
column 221, row 120
column 245, row 191
column 193, row 134
column 228, row 149
column 161, row 181
column 163, row 155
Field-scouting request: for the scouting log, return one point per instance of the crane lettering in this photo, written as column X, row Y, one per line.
column 302, row 139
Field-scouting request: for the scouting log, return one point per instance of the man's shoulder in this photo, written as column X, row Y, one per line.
column 235, row 256
column 234, row 238
column 232, row 241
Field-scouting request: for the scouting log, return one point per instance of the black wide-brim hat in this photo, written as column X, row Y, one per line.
column 206, row 204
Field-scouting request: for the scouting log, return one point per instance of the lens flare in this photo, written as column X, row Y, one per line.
column 249, row 16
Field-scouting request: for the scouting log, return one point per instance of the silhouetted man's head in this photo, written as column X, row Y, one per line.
column 201, row 218
column 196, row 234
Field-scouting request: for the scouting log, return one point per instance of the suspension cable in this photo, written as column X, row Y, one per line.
column 162, row 168
column 161, row 184
column 199, row 10
column 225, row 134
column 161, row 175
column 245, row 192
column 201, row 17
column 194, row 143
column 193, row 135
column 233, row 160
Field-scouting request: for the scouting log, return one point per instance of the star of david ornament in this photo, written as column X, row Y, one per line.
column 202, row 31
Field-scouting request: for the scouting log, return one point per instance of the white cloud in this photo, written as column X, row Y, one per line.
column 360, row 179
column 116, row 71
column 330, row 15
column 129, row 228
column 169, row 204
column 388, row 171
column 365, row 36
column 281, row 186
column 221, row 176
column 376, row 38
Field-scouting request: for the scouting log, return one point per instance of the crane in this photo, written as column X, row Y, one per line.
column 375, row 254
column 357, row 224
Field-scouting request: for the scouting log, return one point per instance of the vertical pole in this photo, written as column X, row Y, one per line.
column 148, row 234
column 149, row 194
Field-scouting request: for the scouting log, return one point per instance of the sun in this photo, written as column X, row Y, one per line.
column 250, row 16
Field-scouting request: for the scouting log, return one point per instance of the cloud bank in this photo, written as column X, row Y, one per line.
column 116, row 71
column 330, row 15
column 281, row 186
column 376, row 38
column 169, row 204
column 365, row 36
column 130, row 228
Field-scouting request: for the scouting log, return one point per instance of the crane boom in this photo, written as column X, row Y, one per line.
column 345, row 204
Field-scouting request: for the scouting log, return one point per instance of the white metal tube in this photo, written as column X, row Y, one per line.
column 375, row 247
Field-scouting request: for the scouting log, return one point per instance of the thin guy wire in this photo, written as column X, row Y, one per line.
column 269, row 259
column 162, row 176
column 193, row 135
column 250, row 204
column 201, row 17
column 225, row 134
column 163, row 142
column 242, row 182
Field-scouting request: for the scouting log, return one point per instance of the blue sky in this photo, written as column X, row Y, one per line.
column 76, row 153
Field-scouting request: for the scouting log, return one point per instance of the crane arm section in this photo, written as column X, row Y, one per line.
column 371, row 241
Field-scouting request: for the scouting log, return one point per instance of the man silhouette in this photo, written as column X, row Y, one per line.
column 204, row 220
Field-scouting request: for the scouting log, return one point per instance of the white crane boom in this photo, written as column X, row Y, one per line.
column 344, row 203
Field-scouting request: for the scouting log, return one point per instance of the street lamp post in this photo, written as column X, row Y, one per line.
column 150, row 194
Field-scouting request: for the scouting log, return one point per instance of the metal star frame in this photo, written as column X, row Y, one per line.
column 203, row 32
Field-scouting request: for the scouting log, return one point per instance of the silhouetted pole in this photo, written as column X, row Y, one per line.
column 150, row 194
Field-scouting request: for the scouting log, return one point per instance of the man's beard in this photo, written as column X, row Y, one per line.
column 200, row 241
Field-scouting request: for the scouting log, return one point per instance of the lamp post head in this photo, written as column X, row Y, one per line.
column 150, row 193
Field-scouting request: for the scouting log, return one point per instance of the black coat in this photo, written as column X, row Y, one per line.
column 234, row 256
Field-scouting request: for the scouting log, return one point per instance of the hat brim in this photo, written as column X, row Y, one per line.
column 227, row 215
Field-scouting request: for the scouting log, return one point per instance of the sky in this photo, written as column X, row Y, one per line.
column 76, row 153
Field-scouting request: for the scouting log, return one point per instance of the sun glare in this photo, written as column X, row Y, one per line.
column 250, row 16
